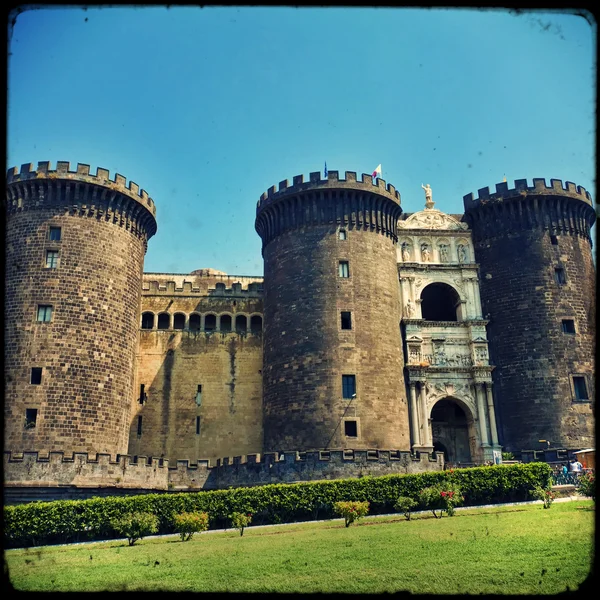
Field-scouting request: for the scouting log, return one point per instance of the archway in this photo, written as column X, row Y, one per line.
column 440, row 302
column 452, row 428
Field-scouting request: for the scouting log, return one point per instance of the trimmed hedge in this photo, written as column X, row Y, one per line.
column 66, row 521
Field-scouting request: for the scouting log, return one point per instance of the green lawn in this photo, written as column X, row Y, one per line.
column 520, row 549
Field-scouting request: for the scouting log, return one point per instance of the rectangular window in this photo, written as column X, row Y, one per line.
column 54, row 234
column 350, row 428
column 139, row 429
column 580, row 388
column 143, row 396
column 344, row 268
column 51, row 259
column 44, row 313
column 568, row 326
column 342, row 234
column 36, row 375
column 554, row 240
column 197, row 425
column 199, row 395
column 346, row 320
column 559, row 276
column 30, row 418
column 348, row 386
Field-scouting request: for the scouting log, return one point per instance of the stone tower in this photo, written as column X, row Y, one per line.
column 534, row 249
column 333, row 361
column 75, row 246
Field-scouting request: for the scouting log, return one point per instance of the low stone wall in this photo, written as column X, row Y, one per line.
column 57, row 476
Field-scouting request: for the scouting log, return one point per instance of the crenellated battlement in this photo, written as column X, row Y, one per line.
column 57, row 469
column 203, row 285
column 333, row 181
column 82, row 173
column 556, row 188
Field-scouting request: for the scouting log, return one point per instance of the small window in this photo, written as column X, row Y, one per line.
column 255, row 324
column 342, row 234
column 139, row 425
column 36, row 375
column 349, row 386
column 346, row 320
column 554, row 240
column 143, row 396
column 164, row 320
column 194, row 323
column 199, row 395
column 225, row 323
column 147, row 320
column 30, row 418
column 580, row 388
column 559, row 276
column 568, row 326
column 44, row 313
column 351, row 428
column 51, row 259
column 54, row 234
column 197, row 425
column 210, row 322
column 178, row 321
column 344, row 268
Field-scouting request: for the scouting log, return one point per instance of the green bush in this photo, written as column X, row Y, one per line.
column 544, row 494
column 351, row 511
column 443, row 497
column 188, row 523
column 587, row 485
column 135, row 526
column 404, row 505
column 240, row 521
column 65, row 521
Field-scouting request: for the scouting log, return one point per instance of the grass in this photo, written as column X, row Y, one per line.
column 521, row 549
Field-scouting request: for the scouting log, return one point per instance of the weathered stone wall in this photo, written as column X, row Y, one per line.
column 306, row 351
column 87, row 349
column 535, row 360
column 172, row 363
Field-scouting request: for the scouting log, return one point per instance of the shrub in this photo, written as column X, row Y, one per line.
column 544, row 494
column 136, row 526
column 240, row 520
column 351, row 511
column 404, row 504
column 587, row 485
column 66, row 521
column 188, row 523
column 442, row 497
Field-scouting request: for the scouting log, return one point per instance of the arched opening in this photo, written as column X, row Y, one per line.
column 225, row 323
column 439, row 302
column 220, row 288
column 241, row 324
column 147, row 320
column 256, row 324
column 210, row 322
column 164, row 320
column 178, row 321
column 451, row 429
column 194, row 323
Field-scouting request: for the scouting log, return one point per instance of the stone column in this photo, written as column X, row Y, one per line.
column 426, row 437
column 413, row 414
column 490, row 403
column 481, row 416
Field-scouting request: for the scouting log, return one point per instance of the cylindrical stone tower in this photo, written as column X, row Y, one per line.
column 75, row 246
column 333, row 362
column 534, row 249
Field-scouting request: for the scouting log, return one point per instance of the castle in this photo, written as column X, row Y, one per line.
column 378, row 341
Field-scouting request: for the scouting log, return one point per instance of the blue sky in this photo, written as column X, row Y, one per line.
column 206, row 108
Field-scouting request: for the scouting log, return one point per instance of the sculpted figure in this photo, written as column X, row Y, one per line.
column 405, row 252
column 428, row 201
column 462, row 253
column 443, row 253
column 409, row 308
column 425, row 255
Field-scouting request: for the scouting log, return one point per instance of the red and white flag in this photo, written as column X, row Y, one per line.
column 377, row 172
